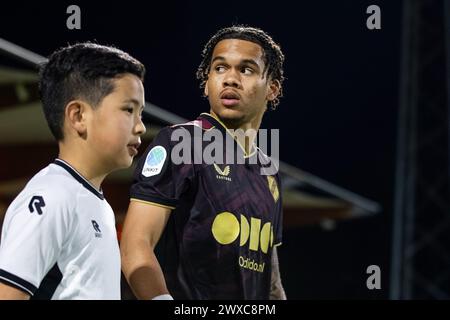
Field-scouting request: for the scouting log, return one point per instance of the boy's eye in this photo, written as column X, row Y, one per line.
column 128, row 109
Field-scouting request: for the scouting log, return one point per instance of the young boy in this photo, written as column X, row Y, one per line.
column 59, row 239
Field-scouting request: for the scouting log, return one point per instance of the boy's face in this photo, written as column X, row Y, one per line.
column 237, row 86
column 115, row 127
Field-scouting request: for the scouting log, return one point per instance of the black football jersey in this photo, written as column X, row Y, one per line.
column 226, row 217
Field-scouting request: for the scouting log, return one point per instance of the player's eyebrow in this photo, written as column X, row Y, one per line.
column 251, row 62
column 217, row 58
column 242, row 62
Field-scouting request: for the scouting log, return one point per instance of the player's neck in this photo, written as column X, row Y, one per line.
column 83, row 164
column 245, row 132
column 247, row 139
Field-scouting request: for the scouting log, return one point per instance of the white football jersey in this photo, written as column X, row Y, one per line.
column 59, row 239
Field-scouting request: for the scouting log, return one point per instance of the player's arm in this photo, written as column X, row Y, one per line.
column 142, row 229
column 276, row 288
column 8, row 292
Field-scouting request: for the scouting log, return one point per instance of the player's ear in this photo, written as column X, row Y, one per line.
column 205, row 91
column 76, row 116
column 273, row 90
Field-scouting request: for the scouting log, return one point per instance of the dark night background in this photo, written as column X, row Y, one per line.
column 337, row 119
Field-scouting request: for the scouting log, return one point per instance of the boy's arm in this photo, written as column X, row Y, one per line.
column 276, row 288
column 8, row 292
column 142, row 229
column 33, row 237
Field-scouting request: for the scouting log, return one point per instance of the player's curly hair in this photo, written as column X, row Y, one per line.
column 272, row 54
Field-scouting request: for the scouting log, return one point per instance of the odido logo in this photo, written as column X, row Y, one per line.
column 226, row 229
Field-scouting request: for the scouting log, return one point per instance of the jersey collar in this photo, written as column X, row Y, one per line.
column 79, row 178
column 222, row 127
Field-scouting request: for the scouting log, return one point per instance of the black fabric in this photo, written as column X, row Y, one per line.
column 48, row 285
column 17, row 282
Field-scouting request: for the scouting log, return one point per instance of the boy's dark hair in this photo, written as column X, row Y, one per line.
column 272, row 55
column 82, row 71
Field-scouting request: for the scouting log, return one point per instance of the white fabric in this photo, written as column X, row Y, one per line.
column 163, row 297
column 63, row 234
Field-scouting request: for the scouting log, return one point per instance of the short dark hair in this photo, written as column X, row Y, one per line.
column 81, row 71
column 272, row 54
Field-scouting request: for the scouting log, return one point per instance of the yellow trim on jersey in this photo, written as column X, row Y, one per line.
column 152, row 203
column 239, row 144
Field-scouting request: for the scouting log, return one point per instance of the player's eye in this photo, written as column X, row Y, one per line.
column 219, row 69
column 247, row 70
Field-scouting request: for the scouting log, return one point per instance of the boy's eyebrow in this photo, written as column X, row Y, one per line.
column 134, row 101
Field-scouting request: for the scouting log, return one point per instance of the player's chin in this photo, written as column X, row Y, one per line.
column 231, row 113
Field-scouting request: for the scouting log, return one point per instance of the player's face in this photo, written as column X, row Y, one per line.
column 116, row 125
column 238, row 88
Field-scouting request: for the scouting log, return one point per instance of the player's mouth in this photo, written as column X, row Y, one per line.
column 133, row 148
column 229, row 98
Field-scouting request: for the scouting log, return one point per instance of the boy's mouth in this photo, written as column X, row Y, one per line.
column 133, row 148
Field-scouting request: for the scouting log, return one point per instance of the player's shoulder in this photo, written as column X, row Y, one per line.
column 199, row 123
column 270, row 165
column 168, row 136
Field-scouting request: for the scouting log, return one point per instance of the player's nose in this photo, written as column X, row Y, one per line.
column 232, row 79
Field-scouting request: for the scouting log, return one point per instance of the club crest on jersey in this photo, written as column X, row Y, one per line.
column 223, row 174
column 154, row 161
column 273, row 187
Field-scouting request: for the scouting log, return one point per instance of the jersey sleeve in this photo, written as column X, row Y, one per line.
column 157, row 179
column 34, row 231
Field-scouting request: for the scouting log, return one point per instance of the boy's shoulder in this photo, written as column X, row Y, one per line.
column 55, row 179
column 50, row 184
column 50, row 194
